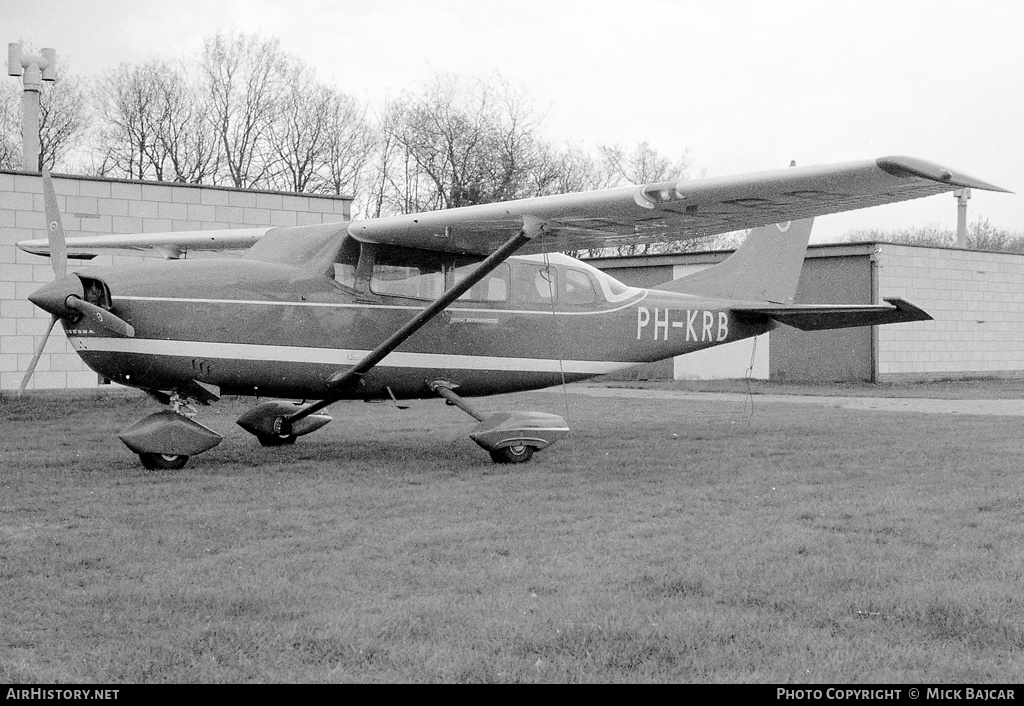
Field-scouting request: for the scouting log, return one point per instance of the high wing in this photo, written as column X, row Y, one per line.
column 650, row 213
column 669, row 211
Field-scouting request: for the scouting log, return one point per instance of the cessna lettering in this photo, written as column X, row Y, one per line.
column 700, row 325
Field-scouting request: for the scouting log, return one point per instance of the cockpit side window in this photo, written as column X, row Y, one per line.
column 403, row 272
column 577, row 288
column 422, row 281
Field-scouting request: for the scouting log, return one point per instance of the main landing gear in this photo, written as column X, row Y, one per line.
column 509, row 437
column 268, row 422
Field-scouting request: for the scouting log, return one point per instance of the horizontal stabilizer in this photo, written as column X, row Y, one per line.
column 819, row 317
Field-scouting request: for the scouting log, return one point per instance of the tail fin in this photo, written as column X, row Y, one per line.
column 766, row 267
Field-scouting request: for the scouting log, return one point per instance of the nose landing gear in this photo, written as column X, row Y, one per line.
column 165, row 440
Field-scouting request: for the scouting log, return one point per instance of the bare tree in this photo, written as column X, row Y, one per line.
column 153, row 125
column 188, row 142
column 298, row 136
column 517, row 151
column 382, row 184
column 642, row 165
column 128, row 105
column 245, row 78
column 454, row 145
column 442, row 133
column 561, row 171
column 62, row 118
column 320, row 139
column 351, row 141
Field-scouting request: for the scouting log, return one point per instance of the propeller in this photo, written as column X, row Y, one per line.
column 63, row 297
column 58, row 261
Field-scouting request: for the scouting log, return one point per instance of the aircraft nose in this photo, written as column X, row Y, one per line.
column 52, row 298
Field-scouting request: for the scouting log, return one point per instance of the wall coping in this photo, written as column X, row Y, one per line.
column 178, row 184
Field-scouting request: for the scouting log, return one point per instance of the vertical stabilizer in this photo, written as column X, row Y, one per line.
column 766, row 267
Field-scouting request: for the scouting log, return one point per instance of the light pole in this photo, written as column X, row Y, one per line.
column 34, row 69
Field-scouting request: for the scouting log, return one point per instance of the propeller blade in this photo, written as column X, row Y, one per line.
column 101, row 316
column 54, row 228
column 35, row 358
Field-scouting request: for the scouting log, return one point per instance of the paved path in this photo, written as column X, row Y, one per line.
column 920, row 405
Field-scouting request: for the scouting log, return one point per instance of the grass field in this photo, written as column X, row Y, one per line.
column 663, row 541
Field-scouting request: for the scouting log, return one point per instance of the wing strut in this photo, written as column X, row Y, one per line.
column 532, row 227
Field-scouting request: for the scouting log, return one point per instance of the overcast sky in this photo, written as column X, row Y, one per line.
column 743, row 85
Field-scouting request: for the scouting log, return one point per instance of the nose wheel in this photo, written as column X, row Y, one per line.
column 164, row 441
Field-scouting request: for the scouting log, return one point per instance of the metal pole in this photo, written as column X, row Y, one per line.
column 961, row 216
column 30, row 146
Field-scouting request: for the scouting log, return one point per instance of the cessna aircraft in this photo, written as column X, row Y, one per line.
column 436, row 304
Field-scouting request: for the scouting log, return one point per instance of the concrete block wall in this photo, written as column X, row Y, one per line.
column 93, row 206
column 977, row 301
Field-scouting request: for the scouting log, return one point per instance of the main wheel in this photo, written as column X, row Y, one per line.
column 275, row 439
column 163, row 462
column 512, row 454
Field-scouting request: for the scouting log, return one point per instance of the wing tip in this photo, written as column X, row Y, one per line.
column 903, row 166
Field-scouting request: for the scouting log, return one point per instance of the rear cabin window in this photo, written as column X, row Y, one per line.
column 492, row 288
